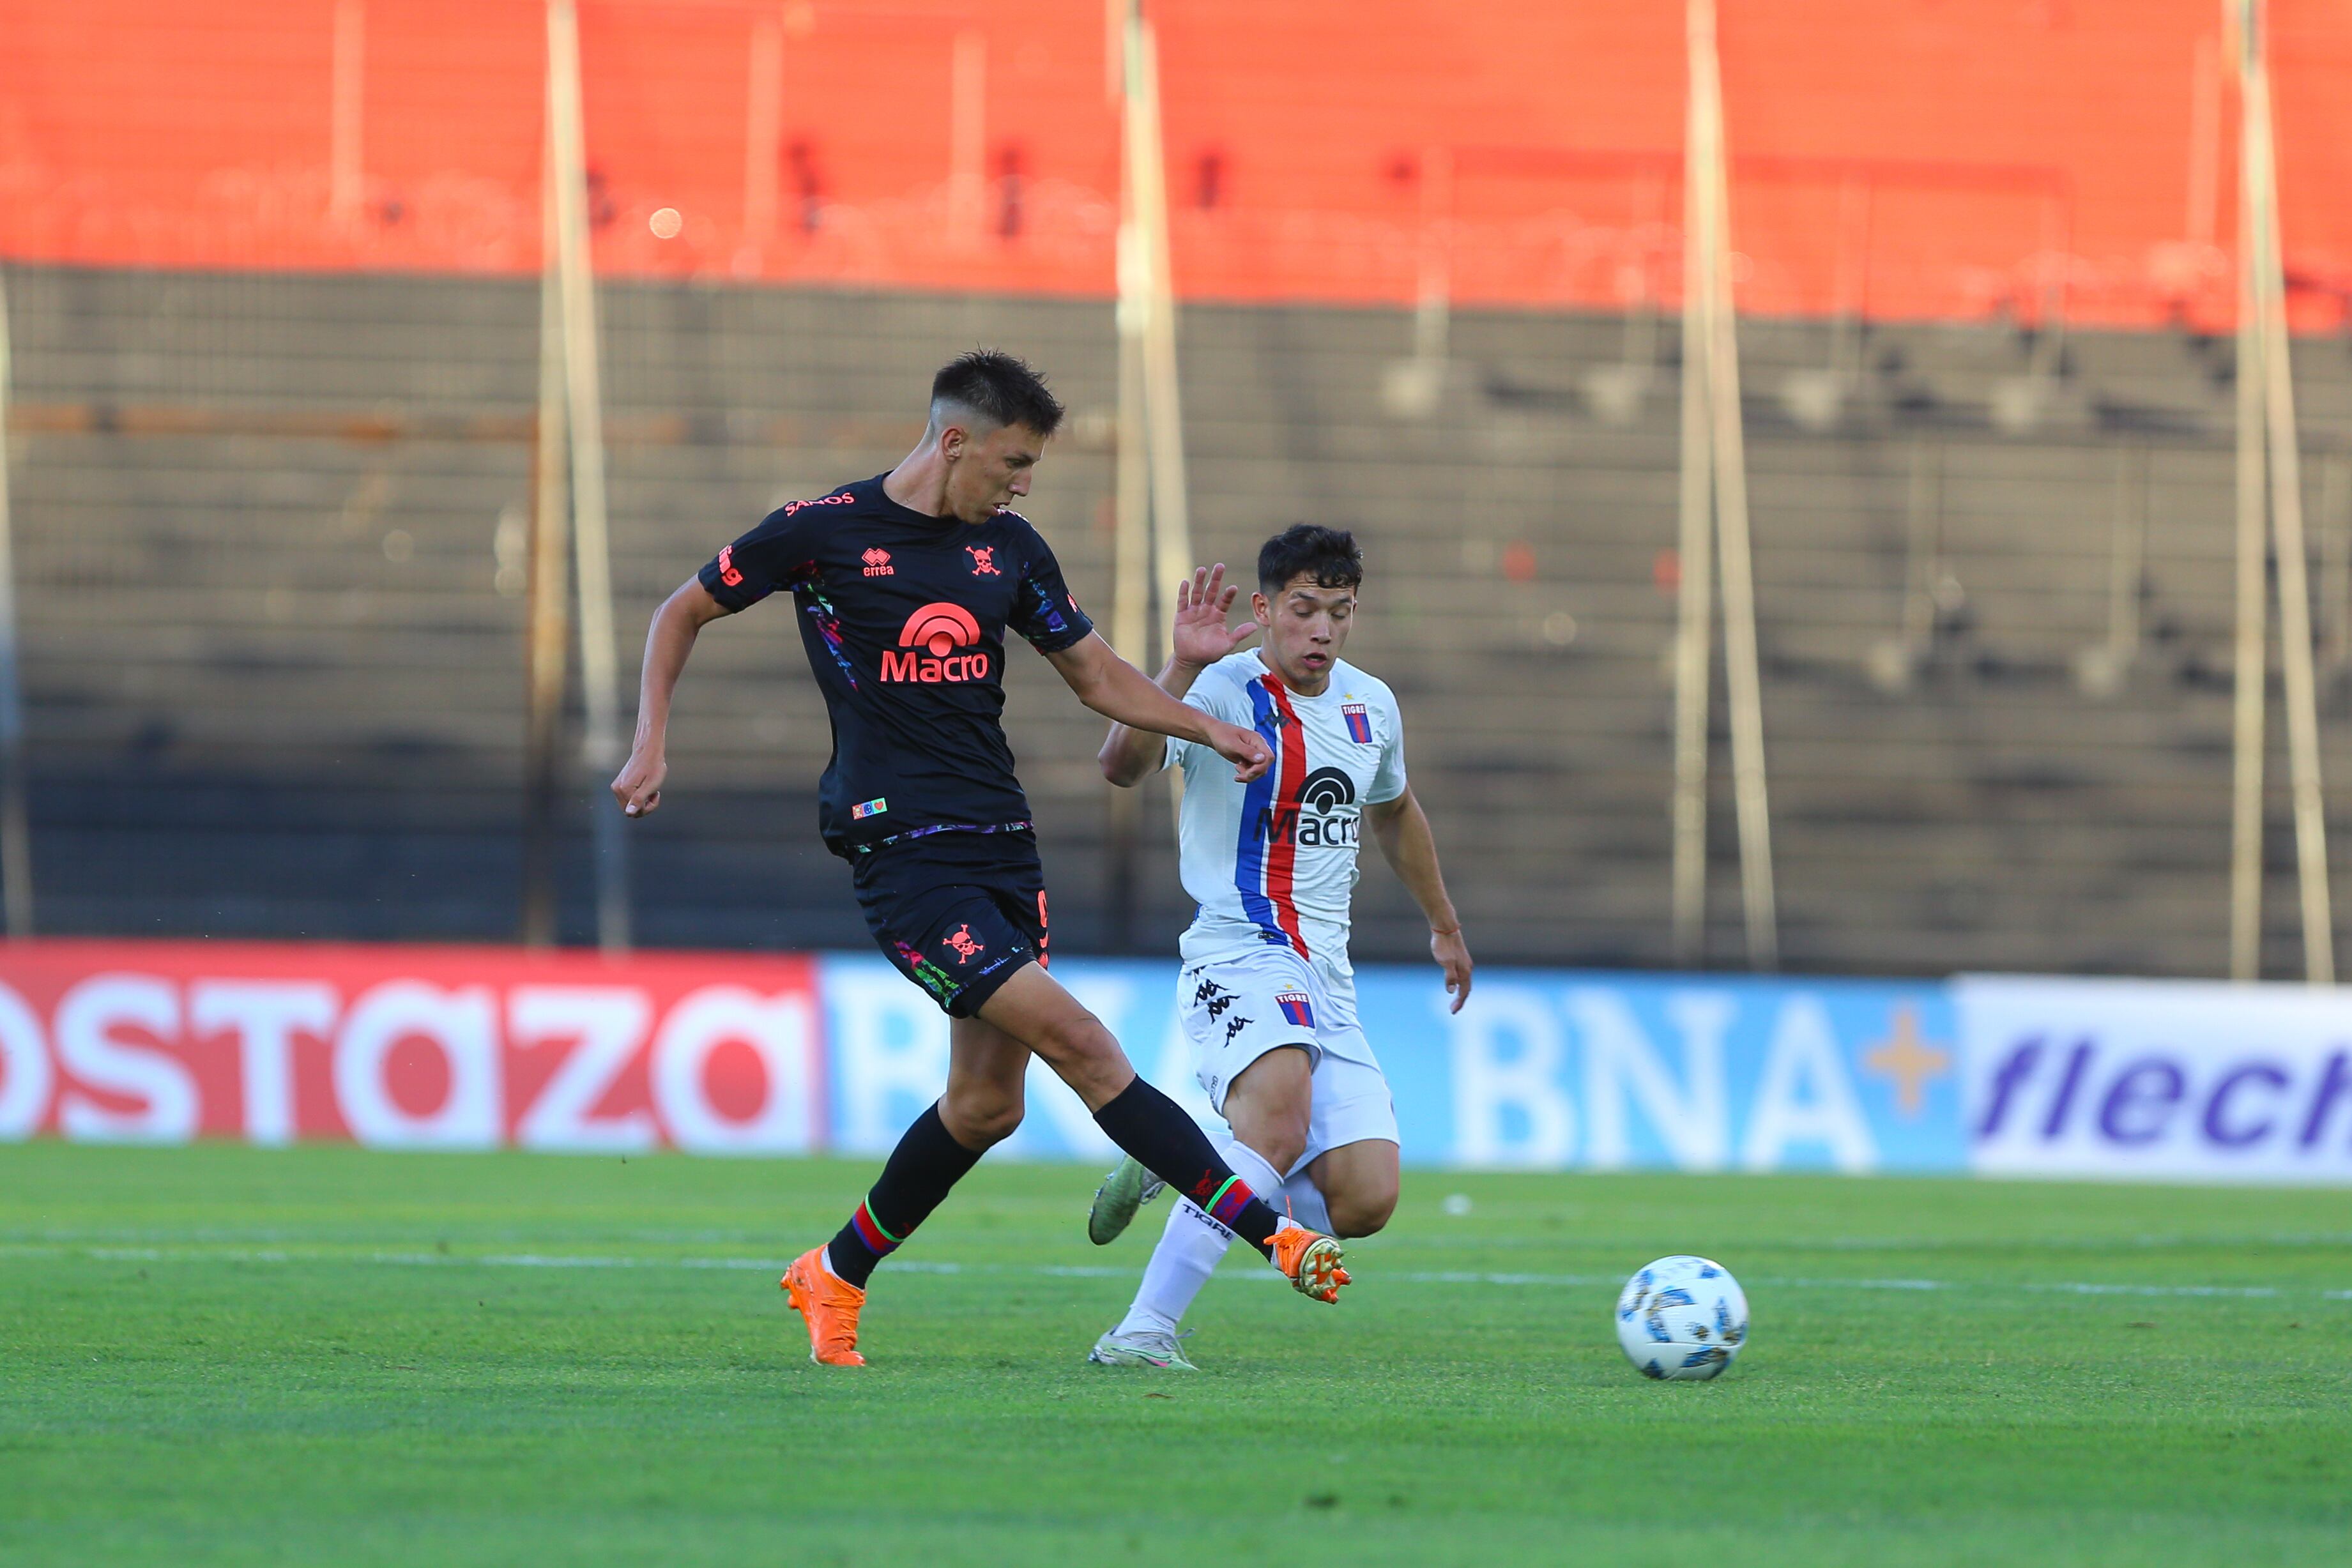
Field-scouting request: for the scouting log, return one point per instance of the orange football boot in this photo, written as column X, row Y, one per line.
column 831, row 1304
column 1310, row 1261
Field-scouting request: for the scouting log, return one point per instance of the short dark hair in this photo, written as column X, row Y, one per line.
column 1331, row 554
column 999, row 388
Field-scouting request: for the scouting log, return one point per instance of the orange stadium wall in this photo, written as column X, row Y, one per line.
column 1953, row 159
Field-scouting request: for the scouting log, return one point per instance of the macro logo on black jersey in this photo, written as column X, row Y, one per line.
column 927, row 647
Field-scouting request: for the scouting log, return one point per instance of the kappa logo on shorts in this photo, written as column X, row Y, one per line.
column 1234, row 1029
column 965, row 944
column 1295, row 1008
column 984, row 561
column 1214, row 998
column 877, row 562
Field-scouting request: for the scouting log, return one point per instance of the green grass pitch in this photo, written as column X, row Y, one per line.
column 225, row 1355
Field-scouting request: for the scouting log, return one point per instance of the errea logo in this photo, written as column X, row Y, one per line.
column 877, row 562
column 939, row 631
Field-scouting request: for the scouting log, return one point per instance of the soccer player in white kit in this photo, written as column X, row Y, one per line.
column 1267, row 996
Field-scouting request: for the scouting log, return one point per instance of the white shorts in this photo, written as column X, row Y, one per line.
column 1235, row 1009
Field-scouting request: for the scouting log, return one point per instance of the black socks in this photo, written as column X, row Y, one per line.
column 1170, row 1146
column 926, row 1163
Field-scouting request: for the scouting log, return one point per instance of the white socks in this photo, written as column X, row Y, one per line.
column 1192, row 1246
column 1304, row 1202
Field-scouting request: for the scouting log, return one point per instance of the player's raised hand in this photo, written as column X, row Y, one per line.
column 638, row 784
column 1203, row 602
column 1453, row 956
column 1244, row 748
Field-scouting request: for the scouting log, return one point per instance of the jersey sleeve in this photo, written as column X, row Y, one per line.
column 1215, row 696
column 781, row 551
column 1388, row 777
column 1044, row 609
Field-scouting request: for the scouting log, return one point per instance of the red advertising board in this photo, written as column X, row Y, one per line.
column 410, row 1047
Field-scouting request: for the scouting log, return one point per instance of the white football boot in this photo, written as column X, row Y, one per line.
column 1145, row 1347
column 1125, row 1190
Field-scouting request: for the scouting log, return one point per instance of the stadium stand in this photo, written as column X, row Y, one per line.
column 272, row 469
column 289, row 702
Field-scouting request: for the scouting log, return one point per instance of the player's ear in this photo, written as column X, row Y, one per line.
column 1261, row 610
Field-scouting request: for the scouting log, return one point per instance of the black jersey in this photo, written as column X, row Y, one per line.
column 903, row 616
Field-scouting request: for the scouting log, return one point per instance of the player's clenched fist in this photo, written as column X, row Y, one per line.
column 638, row 784
column 1241, row 748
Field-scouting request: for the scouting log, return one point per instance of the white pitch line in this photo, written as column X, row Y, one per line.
column 10, row 1251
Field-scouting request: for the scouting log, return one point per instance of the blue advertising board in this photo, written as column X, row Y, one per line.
column 1542, row 1069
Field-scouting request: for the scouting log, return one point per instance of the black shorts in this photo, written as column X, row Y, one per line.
column 957, row 913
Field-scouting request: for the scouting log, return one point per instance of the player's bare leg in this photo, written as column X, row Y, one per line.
column 988, row 1073
column 1357, row 1183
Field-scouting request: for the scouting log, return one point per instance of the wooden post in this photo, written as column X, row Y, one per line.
column 16, row 815
column 2248, row 712
column 1743, row 680
column 547, row 636
column 1714, row 469
column 2259, row 155
column 592, row 563
column 1695, row 606
column 1171, row 528
column 1131, row 568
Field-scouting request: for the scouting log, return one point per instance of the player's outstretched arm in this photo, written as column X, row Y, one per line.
column 1120, row 692
column 1128, row 755
column 669, row 641
column 1402, row 829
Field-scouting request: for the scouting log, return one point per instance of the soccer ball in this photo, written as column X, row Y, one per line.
column 1683, row 1318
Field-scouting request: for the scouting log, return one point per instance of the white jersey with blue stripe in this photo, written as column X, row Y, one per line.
column 1273, row 863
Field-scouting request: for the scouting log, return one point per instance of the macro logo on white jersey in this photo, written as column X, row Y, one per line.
column 1310, row 823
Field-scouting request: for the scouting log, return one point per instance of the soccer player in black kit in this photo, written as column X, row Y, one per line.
column 905, row 584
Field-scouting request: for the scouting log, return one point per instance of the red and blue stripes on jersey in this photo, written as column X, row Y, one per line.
column 1360, row 723
column 1265, row 857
